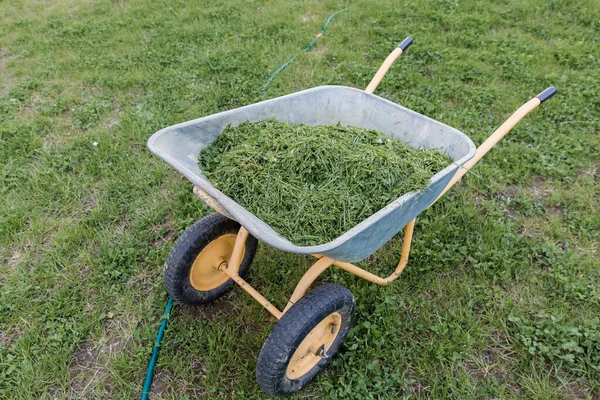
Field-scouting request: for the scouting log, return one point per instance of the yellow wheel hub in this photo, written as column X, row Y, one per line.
column 315, row 346
column 205, row 274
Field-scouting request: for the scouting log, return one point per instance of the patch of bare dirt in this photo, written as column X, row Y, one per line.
column 113, row 120
column 572, row 391
column 92, row 293
column 538, row 190
column 5, row 339
column 166, row 386
column 250, row 326
column 14, row 256
column 160, row 387
column 89, row 366
column 30, row 107
column 509, row 193
column 89, row 204
column 143, row 280
column 167, row 236
column 8, row 336
column 90, row 363
column 419, row 390
column 480, row 199
column 490, row 363
column 554, row 210
column 197, row 393
column 124, row 223
column 532, row 232
column 217, row 309
column 67, row 113
column 591, row 171
column 308, row 17
column 198, row 367
column 318, row 50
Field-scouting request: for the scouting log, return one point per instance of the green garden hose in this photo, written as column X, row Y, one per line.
column 154, row 358
column 306, row 49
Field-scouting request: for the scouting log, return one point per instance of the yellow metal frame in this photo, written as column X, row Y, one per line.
column 231, row 268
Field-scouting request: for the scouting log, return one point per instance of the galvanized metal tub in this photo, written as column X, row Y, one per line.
column 179, row 145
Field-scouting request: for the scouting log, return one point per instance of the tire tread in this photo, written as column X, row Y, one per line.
column 186, row 249
column 291, row 329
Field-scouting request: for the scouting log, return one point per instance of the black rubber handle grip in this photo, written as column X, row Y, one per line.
column 405, row 43
column 546, row 94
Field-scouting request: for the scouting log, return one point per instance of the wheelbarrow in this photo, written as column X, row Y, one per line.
column 217, row 251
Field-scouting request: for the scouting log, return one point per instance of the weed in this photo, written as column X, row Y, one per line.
column 574, row 347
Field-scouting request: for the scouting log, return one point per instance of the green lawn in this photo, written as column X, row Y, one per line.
column 501, row 296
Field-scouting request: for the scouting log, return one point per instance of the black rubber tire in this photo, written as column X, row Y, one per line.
column 291, row 330
column 186, row 249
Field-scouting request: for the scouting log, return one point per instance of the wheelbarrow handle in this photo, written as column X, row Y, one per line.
column 405, row 43
column 387, row 64
column 546, row 94
column 491, row 141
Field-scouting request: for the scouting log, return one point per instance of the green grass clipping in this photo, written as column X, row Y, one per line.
column 313, row 183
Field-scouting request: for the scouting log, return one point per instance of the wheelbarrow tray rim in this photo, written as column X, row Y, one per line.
column 260, row 229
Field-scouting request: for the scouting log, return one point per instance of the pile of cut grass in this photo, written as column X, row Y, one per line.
column 313, row 183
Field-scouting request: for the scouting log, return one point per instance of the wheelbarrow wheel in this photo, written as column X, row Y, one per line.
column 305, row 339
column 191, row 275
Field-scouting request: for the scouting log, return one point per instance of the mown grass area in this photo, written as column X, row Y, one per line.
column 501, row 297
